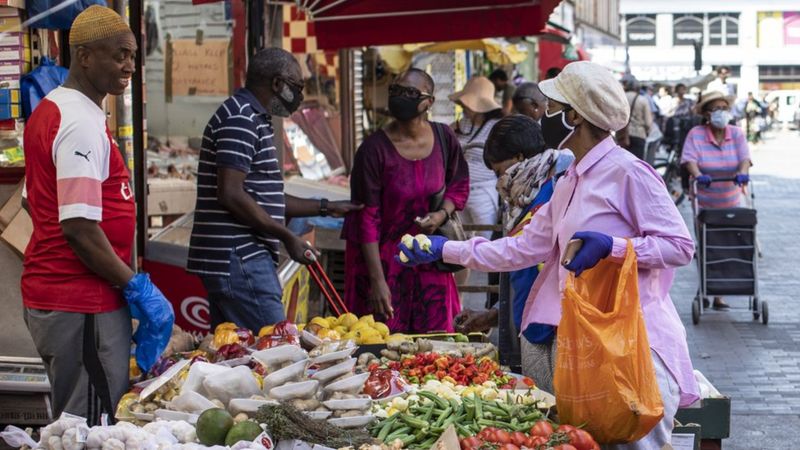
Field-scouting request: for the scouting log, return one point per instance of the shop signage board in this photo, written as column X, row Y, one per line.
column 199, row 68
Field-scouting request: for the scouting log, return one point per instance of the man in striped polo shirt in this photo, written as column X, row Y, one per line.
column 241, row 208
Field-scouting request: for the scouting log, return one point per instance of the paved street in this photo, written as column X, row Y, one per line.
column 758, row 366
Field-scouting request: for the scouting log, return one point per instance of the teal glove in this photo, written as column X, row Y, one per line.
column 155, row 315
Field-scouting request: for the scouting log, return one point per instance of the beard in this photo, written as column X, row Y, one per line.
column 276, row 108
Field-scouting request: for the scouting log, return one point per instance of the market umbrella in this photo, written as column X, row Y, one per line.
column 498, row 51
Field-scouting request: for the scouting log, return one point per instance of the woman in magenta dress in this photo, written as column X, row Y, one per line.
column 395, row 173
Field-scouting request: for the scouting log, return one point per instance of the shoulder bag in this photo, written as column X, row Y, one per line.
column 452, row 228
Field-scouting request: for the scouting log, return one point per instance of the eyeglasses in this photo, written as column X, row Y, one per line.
column 407, row 91
column 719, row 108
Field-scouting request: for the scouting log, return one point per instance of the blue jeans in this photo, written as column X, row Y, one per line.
column 250, row 297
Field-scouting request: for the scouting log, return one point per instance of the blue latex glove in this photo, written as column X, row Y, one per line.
column 417, row 256
column 596, row 246
column 704, row 180
column 742, row 179
column 154, row 313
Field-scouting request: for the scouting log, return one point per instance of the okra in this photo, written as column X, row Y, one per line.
column 441, row 403
column 442, row 417
column 536, row 415
column 396, row 434
column 407, row 439
column 470, row 409
column 495, row 410
column 386, row 427
column 413, row 422
column 463, row 431
column 428, row 413
column 428, row 443
column 478, row 408
column 454, row 404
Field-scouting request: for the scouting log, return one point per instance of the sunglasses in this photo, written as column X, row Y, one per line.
column 407, row 91
column 719, row 108
column 296, row 85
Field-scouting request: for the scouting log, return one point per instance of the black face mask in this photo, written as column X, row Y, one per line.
column 291, row 104
column 404, row 108
column 556, row 130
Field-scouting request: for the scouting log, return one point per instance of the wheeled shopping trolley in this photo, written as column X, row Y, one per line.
column 727, row 254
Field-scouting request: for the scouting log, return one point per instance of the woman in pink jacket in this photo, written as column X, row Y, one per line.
column 606, row 197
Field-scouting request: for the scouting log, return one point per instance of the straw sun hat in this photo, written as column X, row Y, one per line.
column 710, row 96
column 477, row 95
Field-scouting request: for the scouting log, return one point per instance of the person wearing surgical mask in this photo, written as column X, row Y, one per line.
column 241, row 210
column 396, row 171
column 715, row 150
column 613, row 203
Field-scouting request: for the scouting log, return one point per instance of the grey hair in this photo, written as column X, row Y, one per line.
column 267, row 64
column 530, row 90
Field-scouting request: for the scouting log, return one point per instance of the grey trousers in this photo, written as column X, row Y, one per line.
column 538, row 362
column 86, row 357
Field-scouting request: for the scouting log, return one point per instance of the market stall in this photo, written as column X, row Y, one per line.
column 320, row 383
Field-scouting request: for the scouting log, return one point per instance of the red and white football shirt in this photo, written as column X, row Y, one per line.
column 73, row 169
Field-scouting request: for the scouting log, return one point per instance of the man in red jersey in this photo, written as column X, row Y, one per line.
column 77, row 283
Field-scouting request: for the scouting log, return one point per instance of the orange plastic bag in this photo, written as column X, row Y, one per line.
column 604, row 375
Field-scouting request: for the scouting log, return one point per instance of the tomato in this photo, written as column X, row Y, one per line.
column 472, row 441
column 542, row 428
column 519, row 438
column 582, row 440
column 564, row 447
column 564, row 428
column 508, row 446
column 503, row 437
column 535, row 442
column 486, row 432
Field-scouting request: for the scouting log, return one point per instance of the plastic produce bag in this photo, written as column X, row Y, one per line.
column 604, row 373
column 197, row 374
column 191, row 402
column 234, row 383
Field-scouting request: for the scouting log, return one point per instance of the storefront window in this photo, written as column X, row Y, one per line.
column 723, row 29
column 687, row 29
column 187, row 76
column 640, row 30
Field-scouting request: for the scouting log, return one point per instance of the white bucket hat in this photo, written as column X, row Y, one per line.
column 592, row 91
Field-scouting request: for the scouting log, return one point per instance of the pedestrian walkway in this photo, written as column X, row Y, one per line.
column 758, row 366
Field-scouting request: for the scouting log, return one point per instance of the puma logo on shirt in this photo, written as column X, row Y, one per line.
column 86, row 156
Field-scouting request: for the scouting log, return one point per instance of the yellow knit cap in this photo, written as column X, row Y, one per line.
column 96, row 22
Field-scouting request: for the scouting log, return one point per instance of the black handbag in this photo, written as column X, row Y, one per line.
column 452, row 228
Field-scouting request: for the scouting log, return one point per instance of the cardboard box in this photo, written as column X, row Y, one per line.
column 11, row 207
column 713, row 415
column 170, row 196
column 18, row 233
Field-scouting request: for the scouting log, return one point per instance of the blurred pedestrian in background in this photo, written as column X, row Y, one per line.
column 720, row 84
column 641, row 117
column 504, row 89
column 717, row 149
